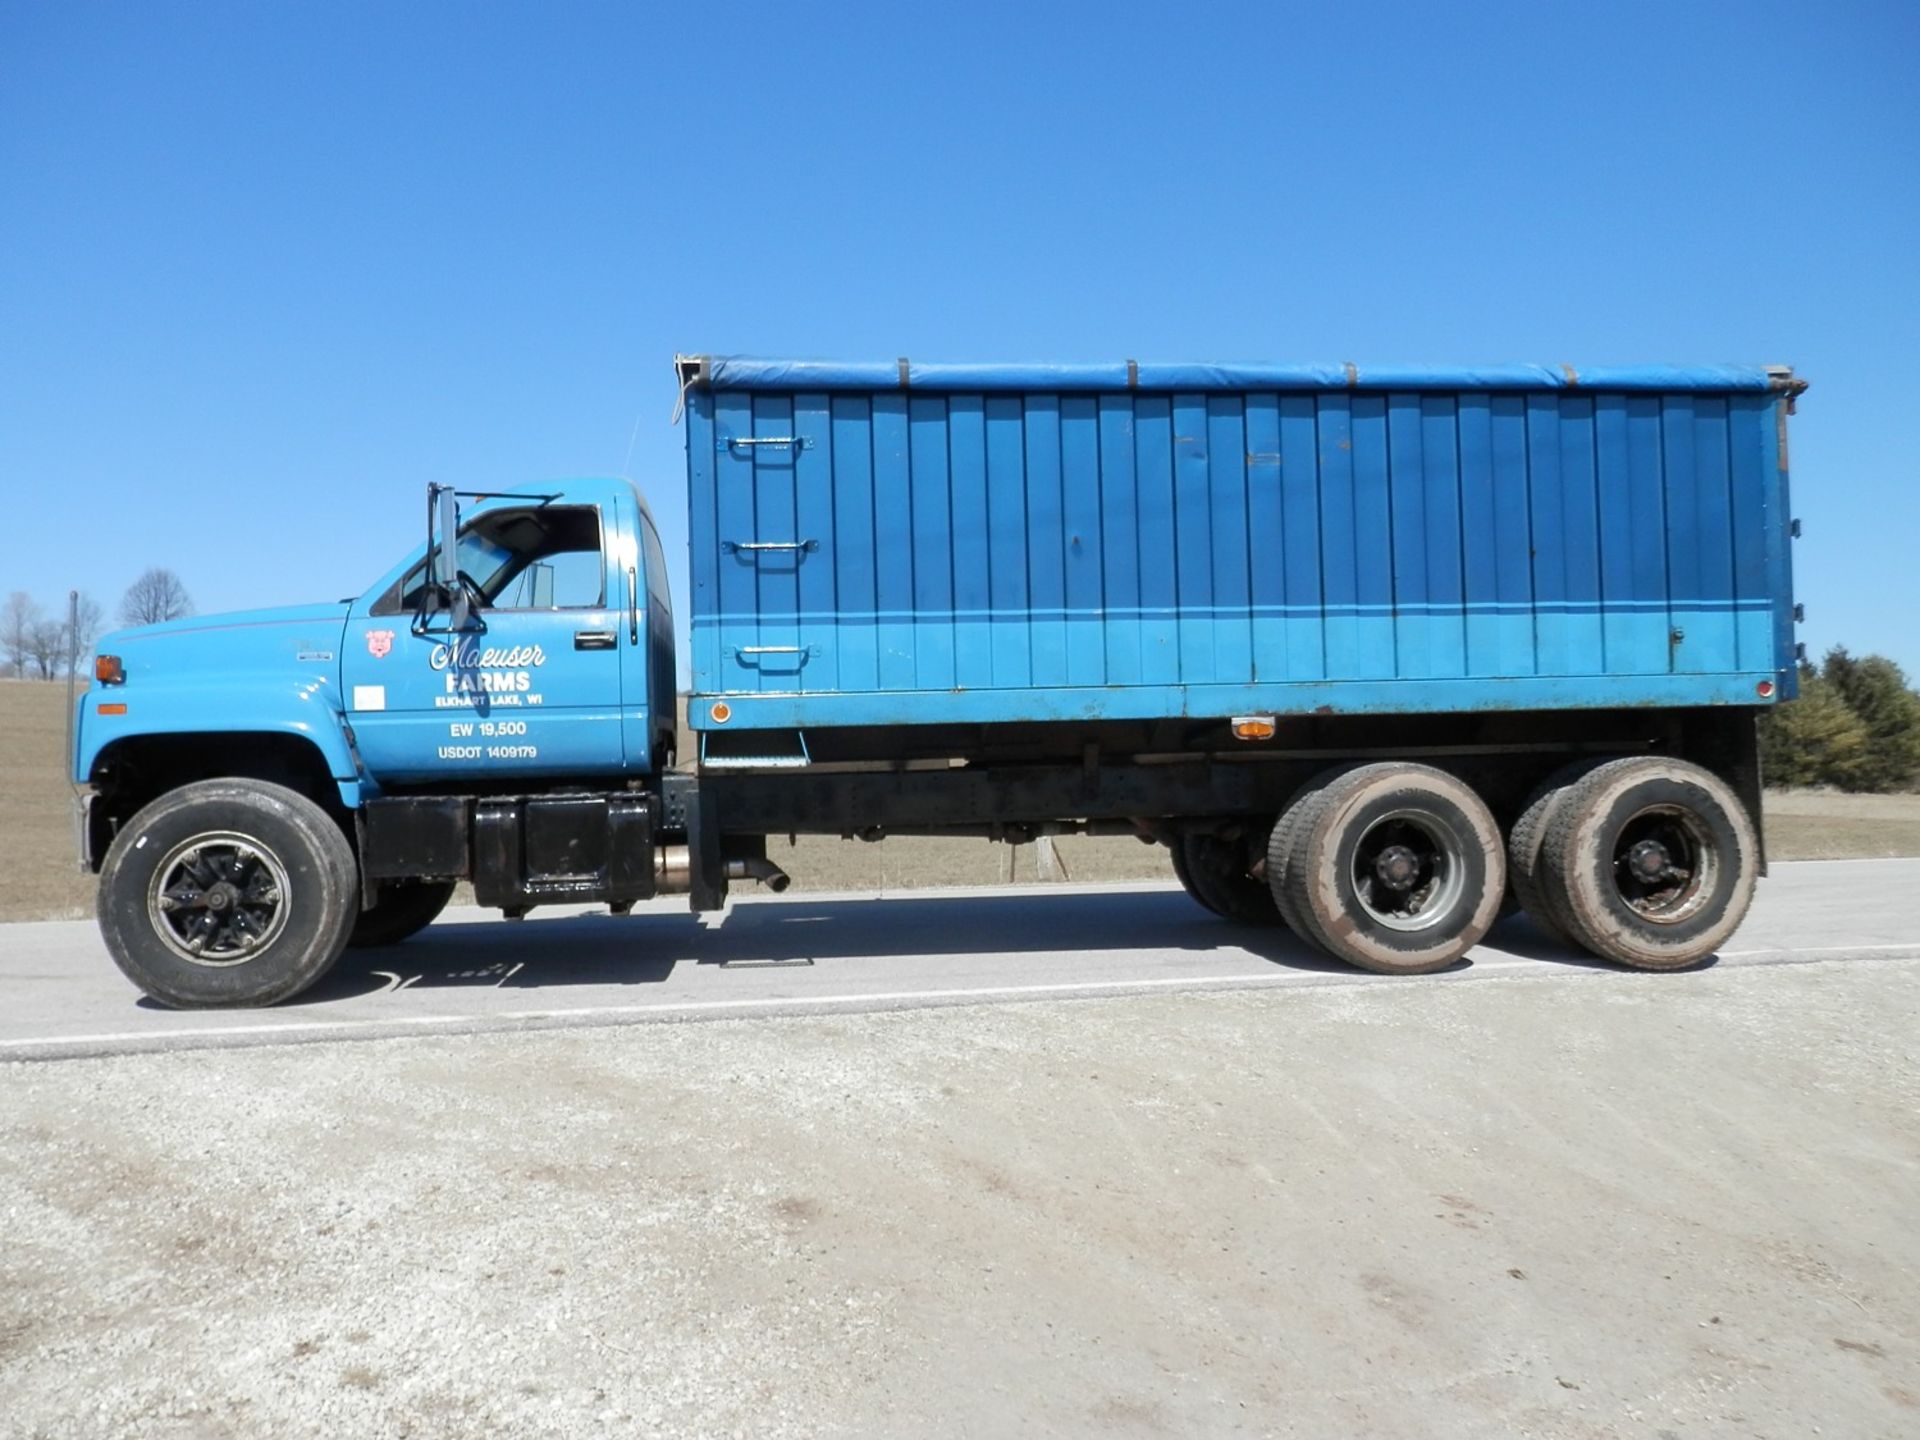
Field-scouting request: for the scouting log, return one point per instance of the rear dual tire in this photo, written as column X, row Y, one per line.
column 1398, row 869
column 1525, row 866
column 1649, row 861
column 1214, row 870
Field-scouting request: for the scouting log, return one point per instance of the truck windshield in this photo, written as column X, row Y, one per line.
column 543, row 557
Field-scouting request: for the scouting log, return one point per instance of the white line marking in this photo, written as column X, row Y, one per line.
column 877, row 997
column 1913, row 945
column 1852, row 860
column 294, row 1027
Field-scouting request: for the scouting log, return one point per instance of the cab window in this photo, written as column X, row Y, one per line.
column 543, row 557
column 656, row 564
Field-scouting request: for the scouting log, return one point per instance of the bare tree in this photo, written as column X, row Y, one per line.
column 88, row 617
column 47, row 646
column 157, row 595
column 17, row 624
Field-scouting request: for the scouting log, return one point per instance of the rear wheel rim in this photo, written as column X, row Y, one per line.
column 1408, row 870
column 218, row 899
column 1665, row 866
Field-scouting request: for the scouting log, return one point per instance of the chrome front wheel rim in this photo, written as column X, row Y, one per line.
column 218, row 899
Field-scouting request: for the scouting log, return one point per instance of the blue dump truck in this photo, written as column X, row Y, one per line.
column 1372, row 652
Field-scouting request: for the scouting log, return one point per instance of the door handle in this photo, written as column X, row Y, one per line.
column 593, row 639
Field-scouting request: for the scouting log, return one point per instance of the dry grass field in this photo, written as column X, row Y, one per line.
column 38, row 879
column 1827, row 825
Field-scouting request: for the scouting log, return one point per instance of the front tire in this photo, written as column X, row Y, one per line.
column 1651, row 862
column 227, row 893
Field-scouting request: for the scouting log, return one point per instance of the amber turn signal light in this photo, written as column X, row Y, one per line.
column 1254, row 727
column 108, row 670
column 112, row 709
column 721, row 712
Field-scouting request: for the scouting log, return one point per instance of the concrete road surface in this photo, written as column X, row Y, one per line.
column 1245, row 1196
column 60, row 996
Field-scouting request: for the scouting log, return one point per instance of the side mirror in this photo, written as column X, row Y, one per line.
column 443, row 537
column 443, row 584
column 539, row 586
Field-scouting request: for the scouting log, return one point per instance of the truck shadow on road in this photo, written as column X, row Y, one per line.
column 917, row 932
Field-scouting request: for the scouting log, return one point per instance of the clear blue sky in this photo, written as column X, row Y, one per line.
column 265, row 270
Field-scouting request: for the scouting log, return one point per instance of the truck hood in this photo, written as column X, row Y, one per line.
column 283, row 639
column 262, row 671
column 333, row 611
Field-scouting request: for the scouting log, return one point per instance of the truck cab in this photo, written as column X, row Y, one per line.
column 561, row 667
column 518, row 660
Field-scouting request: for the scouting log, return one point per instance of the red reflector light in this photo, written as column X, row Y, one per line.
column 1764, row 689
column 108, row 670
column 113, row 709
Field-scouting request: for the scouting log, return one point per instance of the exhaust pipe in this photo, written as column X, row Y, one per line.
column 672, row 870
column 756, row 868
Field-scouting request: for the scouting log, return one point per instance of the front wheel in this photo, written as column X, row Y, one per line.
column 227, row 893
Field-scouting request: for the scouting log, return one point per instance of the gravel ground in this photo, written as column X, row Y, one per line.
column 1591, row 1205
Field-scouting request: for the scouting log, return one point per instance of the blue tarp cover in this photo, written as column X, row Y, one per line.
column 738, row 372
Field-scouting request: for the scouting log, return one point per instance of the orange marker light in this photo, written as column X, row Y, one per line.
column 721, row 712
column 113, row 709
column 108, row 670
column 1254, row 727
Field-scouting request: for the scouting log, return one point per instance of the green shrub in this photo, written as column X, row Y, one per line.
column 1875, row 689
column 1814, row 740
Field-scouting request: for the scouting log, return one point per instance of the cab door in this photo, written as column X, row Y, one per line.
column 529, row 688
